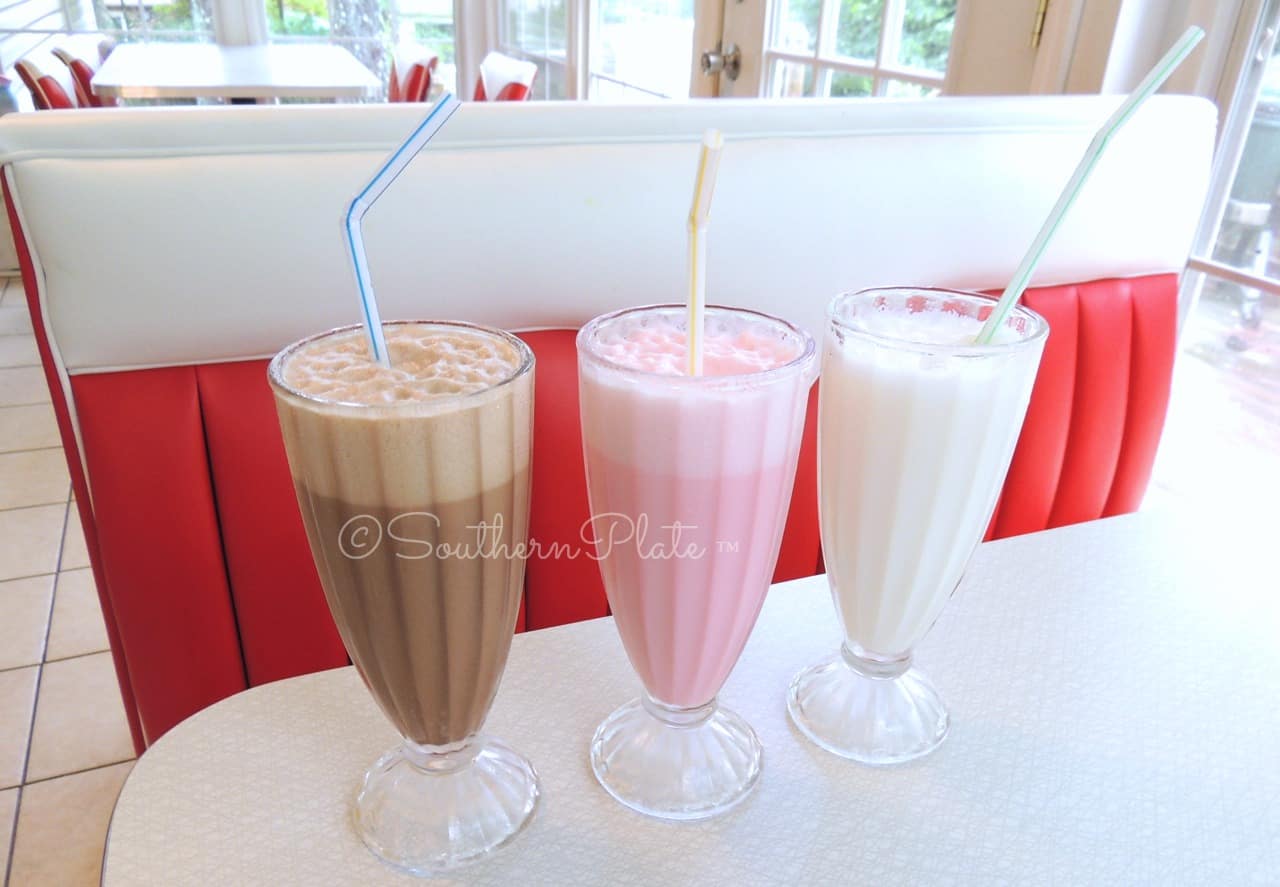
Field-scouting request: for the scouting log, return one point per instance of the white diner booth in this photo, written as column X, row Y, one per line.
column 1080, row 703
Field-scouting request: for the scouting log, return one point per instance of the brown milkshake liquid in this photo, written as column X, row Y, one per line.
column 413, row 483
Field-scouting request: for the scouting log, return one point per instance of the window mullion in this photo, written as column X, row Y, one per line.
column 828, row 25
column 890, row 34
column 822, row 82
column 1234, row 130
column 578, row 49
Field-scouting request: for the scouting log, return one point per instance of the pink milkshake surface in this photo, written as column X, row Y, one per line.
column 690, row 481
column 661, row 349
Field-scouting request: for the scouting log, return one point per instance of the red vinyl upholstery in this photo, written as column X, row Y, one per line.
column 411, row 77
column 1098, row 407
column 512, row 92
column 202, row 564
column 47, row 93
column 83, row 68
column 516, row 78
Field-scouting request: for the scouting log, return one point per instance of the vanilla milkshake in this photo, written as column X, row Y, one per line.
column 916, row 429
column 690, row 480
column 395, row 468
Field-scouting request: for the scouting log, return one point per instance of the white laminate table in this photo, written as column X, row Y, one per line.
column 205, row 70
column 1114, row 693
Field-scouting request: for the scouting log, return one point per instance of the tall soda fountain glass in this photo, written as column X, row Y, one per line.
column 395, row 467
column 690, row 479
column 916, row 428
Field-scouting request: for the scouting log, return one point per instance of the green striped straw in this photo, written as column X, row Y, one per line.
column 1158, row 75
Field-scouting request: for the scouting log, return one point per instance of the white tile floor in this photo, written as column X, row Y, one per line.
column 64, row 742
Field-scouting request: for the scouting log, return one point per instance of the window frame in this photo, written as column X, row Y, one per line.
column 577, row 26
column 1254, row 55
column 583, row 21
column 825, row 61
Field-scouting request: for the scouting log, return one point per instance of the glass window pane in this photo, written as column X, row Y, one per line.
column 791, row 80
column 367, row 27
column 1251, row 219
column 537, row 26
column 299, row 17
column 1231, row 318
column 647, row 45
column 901, row 89
column 425, row 23
column 549, row 82
column 795, row 26
column 1218, row 452
column 847, row 85
column 858, row 31
column 611, row 91
column 143, row 15
column 926, row 34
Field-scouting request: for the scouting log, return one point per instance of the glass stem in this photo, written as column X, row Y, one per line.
column 675, row 716
column 871, row 666
column 440, row 758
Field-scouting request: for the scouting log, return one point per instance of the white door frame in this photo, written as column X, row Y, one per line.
column 708, row 31
column 745, row 26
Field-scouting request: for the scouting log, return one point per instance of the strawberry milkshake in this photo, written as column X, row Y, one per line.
column 690, row 480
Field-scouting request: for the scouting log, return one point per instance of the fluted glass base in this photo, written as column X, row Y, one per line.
column 868, row 710
column 427, row 810
column 676, row 763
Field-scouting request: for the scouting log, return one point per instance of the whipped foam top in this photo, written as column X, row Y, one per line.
column 924, row 327
column 428, row 362
column 732, row 344
column 934, row 325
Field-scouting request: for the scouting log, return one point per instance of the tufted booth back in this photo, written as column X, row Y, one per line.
column 217, row 241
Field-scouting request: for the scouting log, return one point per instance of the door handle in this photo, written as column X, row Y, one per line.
column 727, row 61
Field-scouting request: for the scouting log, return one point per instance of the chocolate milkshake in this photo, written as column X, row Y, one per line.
column 413, row 483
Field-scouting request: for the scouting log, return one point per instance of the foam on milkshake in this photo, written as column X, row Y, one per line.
column 732, row 344
column 349, row 409
column 948, row 329
column 427, row 363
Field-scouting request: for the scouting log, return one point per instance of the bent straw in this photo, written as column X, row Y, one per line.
column 1158, row 75
column 390, row 170
column 703, row 187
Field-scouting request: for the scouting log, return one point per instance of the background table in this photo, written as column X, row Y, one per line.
column 205, row 70
column 1113, row 689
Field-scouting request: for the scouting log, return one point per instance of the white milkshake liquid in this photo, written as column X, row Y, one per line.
column 916, row 429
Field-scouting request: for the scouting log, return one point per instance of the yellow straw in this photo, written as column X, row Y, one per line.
column 704, row 186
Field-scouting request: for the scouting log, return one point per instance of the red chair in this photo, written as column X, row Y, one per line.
column 411, row 72
column 83, row 56
column 505, row 78
column 51, row 85
column 154, row 332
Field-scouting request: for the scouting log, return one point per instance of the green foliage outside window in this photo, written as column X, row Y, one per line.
column 926, row 30
column 303, row 17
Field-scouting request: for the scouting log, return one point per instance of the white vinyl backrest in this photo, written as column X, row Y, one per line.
column 166, row 236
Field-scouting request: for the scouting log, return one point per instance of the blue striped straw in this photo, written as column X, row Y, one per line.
column 439, row 114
